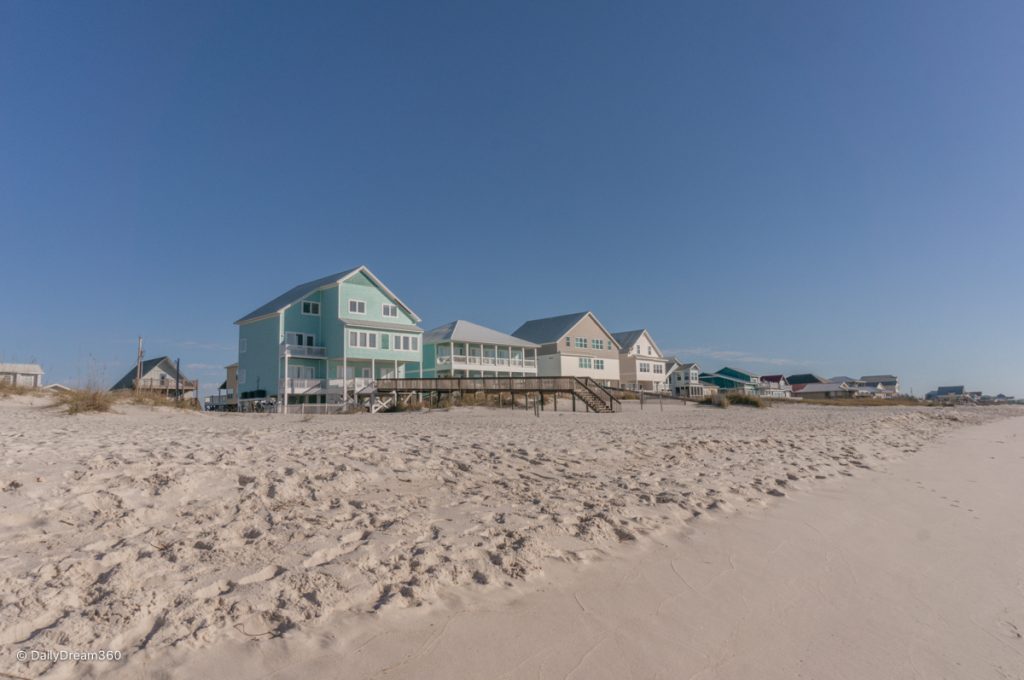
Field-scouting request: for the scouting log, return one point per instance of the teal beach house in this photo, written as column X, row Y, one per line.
column 325, row 341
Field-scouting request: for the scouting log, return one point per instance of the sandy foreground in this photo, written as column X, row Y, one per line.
column 860, row 543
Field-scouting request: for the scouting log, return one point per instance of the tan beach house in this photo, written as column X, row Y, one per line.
column 642, row 366
column 573, row 345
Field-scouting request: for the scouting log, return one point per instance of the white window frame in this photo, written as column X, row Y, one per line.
column 357, row 303
column 362, row 339
column 296, row 336
column 581, row 343
column 388, row 306
column 586, row 362
column 312, row 304
column 243, row 345
column 568, row 341
column 598, row 364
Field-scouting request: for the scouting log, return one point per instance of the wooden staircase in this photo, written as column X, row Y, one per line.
column 594, row 396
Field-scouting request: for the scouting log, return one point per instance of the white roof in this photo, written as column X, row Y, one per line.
column 24, row 369
column 467, row 331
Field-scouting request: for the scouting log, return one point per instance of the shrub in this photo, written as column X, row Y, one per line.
column 719, row 400
column 86, row 401
column 7, row 390
column 746, row 400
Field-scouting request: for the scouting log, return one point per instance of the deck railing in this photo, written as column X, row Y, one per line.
column 170, row 384
column 311, row 351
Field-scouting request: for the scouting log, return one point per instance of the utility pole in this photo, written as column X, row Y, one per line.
column 138, row 367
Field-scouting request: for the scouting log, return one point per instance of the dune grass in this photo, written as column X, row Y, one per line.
column 727, row 400
column 88, row 400
column 9, row 390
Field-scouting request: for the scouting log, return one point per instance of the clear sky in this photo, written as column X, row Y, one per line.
column 809, row 185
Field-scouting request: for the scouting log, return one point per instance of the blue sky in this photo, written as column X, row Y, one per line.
column 826, row 186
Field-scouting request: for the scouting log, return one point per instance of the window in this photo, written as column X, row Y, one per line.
column 389, row 310
column 568, row 341
column 299, row 339
column 586, row 362
column 650, row 352
column 242, row 345
column 415, row 344
column 384, row 338
column 362, row 339
column 301, row 372
column 581, row 343
column 405, row 343
column 240, row 376
column 356, row 307
column 645, row 367
column 597, row 344
column 659, row 368
column 599, row 364
column 311, row 308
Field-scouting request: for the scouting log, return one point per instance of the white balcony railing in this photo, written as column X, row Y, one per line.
column 310, row 351
column 474, row 360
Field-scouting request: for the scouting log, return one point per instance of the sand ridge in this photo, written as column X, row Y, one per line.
column 152, row 528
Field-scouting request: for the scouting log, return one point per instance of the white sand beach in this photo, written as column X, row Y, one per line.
column 794, row 541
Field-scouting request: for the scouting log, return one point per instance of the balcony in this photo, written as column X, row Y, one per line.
column 491, row 362
column 303, row 351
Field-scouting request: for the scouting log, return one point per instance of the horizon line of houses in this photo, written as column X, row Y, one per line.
column 326, row 340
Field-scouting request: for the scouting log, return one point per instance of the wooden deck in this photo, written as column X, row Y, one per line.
column 594, row 396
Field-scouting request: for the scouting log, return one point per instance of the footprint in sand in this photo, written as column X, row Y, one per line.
column 265, row 574
column 221, row 587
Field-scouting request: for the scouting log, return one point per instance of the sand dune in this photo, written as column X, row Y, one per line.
column 159, row 532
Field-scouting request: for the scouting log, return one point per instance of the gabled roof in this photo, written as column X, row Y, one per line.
column 774, row 378
column 461, row 330
column 879, row 378
column 551, row 329
column 804, row 379
column 126, row 383
column 841, row 379
column 627, row 339
column 733, row 369
column 23, row 369
column 283, row 301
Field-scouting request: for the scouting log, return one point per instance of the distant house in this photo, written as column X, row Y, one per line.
column 842, row 379
column 949, row 392
column 642, row 366
column 463, row 349
column 805, row 379
column 684, row 380
column 729, row 379
column 824, row 391
column 22, row 375
column 573, row 345
column 775, row 387
column 159, row 376
column 889, row 384
column 226, row 398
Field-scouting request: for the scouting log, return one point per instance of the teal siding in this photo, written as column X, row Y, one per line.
column 260, row 359
column 331, row 327
column 359, row 287
column 297, row 322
